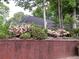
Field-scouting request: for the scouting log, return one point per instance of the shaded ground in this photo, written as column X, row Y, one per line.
column 74, row 57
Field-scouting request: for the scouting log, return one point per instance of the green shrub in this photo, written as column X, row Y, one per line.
column 2, row 35
column 38, row 33
column 25, row 35
column 1, row 20
column 68, row 19
column 75, row 32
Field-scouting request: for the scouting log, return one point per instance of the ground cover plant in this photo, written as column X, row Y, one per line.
column 28, row 31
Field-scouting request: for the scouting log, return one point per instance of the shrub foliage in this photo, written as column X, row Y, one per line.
column 38, row 33
column 26, row 35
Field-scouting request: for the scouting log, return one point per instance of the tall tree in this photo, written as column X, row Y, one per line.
column 64, row 7
column 17, row 17
column 67, row 7
column 4, row 11
column 41, row 3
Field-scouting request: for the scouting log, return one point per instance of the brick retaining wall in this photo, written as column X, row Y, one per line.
column 37, row 49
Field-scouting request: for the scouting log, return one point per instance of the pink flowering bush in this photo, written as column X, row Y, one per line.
column 18, row 30
column 58, row 33
column 28, row 31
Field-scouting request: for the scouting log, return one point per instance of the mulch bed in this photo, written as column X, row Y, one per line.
column 49, row 38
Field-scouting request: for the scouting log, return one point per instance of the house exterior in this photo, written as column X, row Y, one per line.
column 38, row 21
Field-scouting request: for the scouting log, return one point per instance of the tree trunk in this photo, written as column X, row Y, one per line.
column 59, row 13
column 44, row 15
column 74, row 16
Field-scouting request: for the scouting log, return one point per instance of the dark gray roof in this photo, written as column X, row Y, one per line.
column 38, row 21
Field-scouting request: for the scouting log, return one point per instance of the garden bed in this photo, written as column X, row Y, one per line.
column 49, row 38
